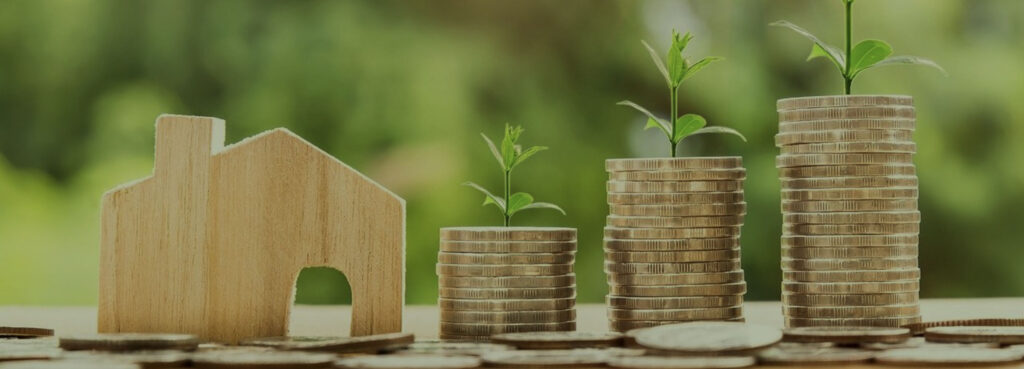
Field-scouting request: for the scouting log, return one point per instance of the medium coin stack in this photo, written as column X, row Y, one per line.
column 849, row 205
column 672, row 249
column 505, row 280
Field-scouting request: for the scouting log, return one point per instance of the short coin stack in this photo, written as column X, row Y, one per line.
column 506, row 279
column 672, row 250
column 849, row 205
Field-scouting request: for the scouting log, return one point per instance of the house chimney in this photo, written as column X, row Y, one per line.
column 184, row 144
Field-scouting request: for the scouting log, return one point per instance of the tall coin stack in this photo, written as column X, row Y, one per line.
column 672, row 247
column 849, row 205
column 506, row 279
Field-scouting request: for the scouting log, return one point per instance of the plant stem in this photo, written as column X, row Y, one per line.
column 508, row 183
column 849, row 45
column 674, row 103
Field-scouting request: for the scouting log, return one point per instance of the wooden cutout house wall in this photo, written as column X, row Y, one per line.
column 212, row 243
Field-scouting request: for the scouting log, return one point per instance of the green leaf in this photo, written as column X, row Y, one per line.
column 544, row 205
column 827, row 50
column 818, row 52
column 489, row 198
column 494, row 150
column 658, row 63
column 508, row 145
column 526, row 154
column 687, row 125
column 868, row 53
column 913, row 60
column 677, row 66
column 518, row 201
column 720, row 129
column 696, row 67
column 652, row 120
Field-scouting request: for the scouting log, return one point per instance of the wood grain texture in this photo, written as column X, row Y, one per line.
column 212, row 243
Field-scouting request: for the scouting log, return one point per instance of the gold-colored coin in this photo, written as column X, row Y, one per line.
column 810, row 160
column 848, row 124
column 957, row 357
column 507, row 305
column 848, row 182
column 797, row 138
column 690, row 244
column 850, row 311
column 129, row 342
column 919, row 328
column 671, row 268
column 675, row 222
column 508, row 282
column 849, row 206
column 874, row 299
column 847, row 113
column 851, row 194
column 487, row 247
column 419, row 361
column 680, row 362
column 661, row 164
column 848, row 171
column 629, row 325
column 475, row 329
column 505, row 258
column 674, row 279
column 849, row 148
column 851, row 322
column 502, row 270
column 837, row 101
column 649, row 303
column 851, row 276
column 853, row 218
column 674, row 187
column 695, row 210
column 851, row 240
column 708, row 338
column 508, row 234
column 830, row 288
column 676, row 314
column 559, row 340
column 854, row 229
column 508, row 317
column 976, row 334
column 846, row 335
column 675, row 198
column 24, row 332
column 814, row 355
column 672, row 256
column 507, row 293
column 261, row 359
column 359, row 344
column 558, row 358
column 670, row 233
column 738, row 288
column 858, row 252
column 680, row 175
column 850, row 264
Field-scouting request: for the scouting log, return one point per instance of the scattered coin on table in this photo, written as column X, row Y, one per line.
column 262, row 360
column 681, row 362
column 574, row 358
column 814, row 355
column 366, row 344
column 846, row 335
column 129, row 341
column 708, row 337
column 558, row 340
column 24, row 332
column 947, row 356
column 976, row 334
column 409, row 362
column 439, row 347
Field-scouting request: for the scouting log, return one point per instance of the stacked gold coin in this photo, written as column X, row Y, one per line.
column 506, row 279
column 672, row 249
column 849, row 205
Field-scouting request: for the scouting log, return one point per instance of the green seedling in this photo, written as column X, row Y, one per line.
column 865, row 55
column 509, row 156
column 677, row 71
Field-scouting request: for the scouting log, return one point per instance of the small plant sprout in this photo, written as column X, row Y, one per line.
column 676, row 70
column 865, row 55
column 509, row 157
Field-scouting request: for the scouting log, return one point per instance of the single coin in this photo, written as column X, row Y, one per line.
column 420, row 361
column 9, row 353
column 810, row 160
column 675, row 198
column 672, row 256
column 679, row 362
column 849, row 264
column 976, row 334
column 853, row 218
column 505, row 258
column 900, row 111
column 695, row 210
column 24, row 332
column 854, row 229
column 814, row 355
column 129, row 341
column 849, row 148
column 672, row 222
column 670, row 233
column 476, row 329
column 852, row 276
column 792, row 299
column 145, row 359
column 792, row 322
column 947, row 357
column 675, row 278
column 565, row 280
column 651, row 303
column 574, row 358
column 439, row 347
column 674, row 187
column 672, row 268
column 507, row 234
column 66, row 364
column 797, row 138
column 850, row 311
column 558, row 340
column 849, row 206
column 851, row 194
column 852, row 287
column 369, row 344
column 849, row 252
column 919, row 342
column 689, row 244
column 919, row 328
column 503, row 270
column 708, row 337
column 793, row 103
column 827, row 171
column 264, row 359
column 676, row 314
column 630, row 327
column 848, row 182
column 848, row 124
column 846, row 335
column 679, row 290
column 508, row 317
column 850, row 240
column 660, row 164
column 680, row 175
column 507, row 305
column 507, row 293
column 508, row 246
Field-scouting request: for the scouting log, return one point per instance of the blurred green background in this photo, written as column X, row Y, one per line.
column 401, row 89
